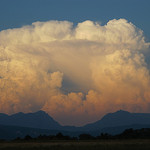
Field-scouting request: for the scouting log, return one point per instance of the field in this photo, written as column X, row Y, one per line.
column 79, row 145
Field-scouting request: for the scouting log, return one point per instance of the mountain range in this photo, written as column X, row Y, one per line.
column 21, row 124
column 39, row 119
column 119, row 118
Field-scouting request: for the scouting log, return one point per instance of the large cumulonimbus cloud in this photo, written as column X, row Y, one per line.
column 76, row 74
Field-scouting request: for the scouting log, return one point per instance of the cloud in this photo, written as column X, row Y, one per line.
column 76, row 74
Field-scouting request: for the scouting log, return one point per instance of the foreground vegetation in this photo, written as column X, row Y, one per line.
column 128, row 140
column 138, row 144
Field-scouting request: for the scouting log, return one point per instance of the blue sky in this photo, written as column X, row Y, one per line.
column 16, row 13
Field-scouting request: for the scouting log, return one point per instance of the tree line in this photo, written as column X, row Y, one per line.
column 143, row 133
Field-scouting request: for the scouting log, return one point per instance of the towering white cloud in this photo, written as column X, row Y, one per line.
column 43, row 64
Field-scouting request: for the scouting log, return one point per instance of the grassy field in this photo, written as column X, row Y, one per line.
column 81, row 145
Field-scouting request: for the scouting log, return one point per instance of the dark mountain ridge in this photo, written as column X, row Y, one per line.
column 39, row 119
column 113, row 123
column 119, row 118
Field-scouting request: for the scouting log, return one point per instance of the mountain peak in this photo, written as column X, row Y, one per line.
column 39, row 119
column 121, row 111
column 120, row 118
column 40, row 112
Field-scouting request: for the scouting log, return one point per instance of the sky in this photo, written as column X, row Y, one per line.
column 75, row 59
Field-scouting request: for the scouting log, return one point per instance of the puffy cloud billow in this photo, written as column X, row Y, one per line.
column 76, row 74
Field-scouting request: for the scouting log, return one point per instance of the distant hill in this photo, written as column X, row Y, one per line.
column 38, row 119
column 12, row 132
column 120, row 129
column 119, row 118
column 41, row 123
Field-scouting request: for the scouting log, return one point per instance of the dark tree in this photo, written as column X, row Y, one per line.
column 85, row 137
column 27, row 138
